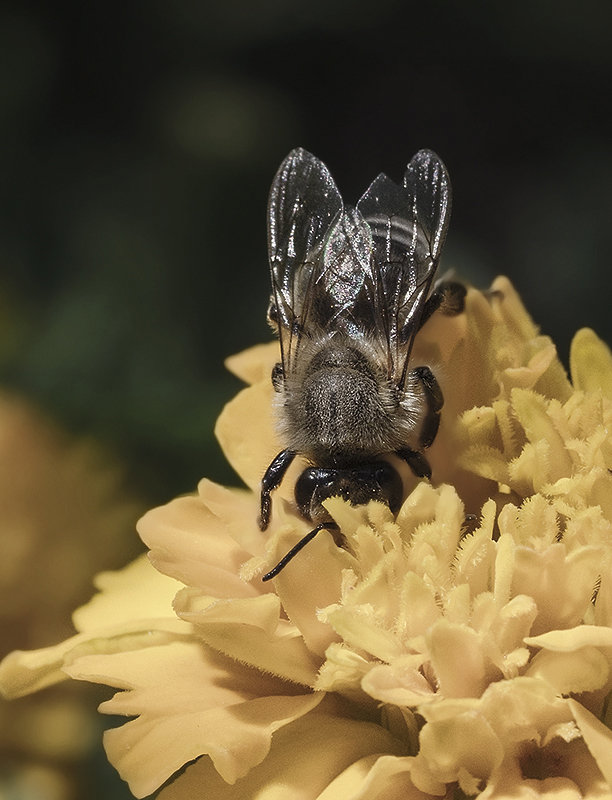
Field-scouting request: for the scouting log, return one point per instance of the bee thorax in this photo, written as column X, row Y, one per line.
column 339, row 415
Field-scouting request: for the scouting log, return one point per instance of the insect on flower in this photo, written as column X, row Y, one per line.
column 351, row 288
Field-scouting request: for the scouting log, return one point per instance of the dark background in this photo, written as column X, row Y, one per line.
column 139, row 140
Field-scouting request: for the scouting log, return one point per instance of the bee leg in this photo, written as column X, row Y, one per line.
column 416, row 461
column 271, row 479
column 448, row 298
column 330, row 526
column 434, row 400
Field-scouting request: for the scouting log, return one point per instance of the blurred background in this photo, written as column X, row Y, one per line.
column 139, row 140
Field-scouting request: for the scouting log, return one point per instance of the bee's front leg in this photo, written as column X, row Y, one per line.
column 416, row 461
column 271, row 479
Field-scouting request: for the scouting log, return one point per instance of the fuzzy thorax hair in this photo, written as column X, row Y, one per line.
column 338, row 407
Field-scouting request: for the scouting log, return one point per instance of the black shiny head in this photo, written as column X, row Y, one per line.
column 358, row 485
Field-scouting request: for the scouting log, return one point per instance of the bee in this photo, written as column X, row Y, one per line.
column 351, row 288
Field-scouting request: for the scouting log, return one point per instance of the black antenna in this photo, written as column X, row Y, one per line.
column 330, row 526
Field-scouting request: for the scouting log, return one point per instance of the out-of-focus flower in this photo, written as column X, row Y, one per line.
column 460, row 648
column 64, row 513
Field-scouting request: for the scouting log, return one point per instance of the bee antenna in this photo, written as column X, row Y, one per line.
column 330, row 526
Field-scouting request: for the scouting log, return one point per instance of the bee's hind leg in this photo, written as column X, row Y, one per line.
column 448, row 298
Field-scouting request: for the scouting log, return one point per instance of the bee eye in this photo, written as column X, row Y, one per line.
column 277, row 376
column 273, row 317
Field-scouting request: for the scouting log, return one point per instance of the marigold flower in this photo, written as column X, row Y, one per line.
column 462, row 647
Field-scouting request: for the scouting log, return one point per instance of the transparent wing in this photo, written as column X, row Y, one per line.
column 341, row 299
column 408, row 226
column 303, row 204
column 366, row 271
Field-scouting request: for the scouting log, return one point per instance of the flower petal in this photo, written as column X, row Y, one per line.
column 304, row 759
column 462, row 745
column 190, row 543
column 591, row 363
column 582, row 670
column 401, row 683
column 249, row 451
column 573, row 638
column 254, row 364
column 309, row 583
column 375, row 778
column 136, row 592
column 127, row 597
column 598, row 738
column 252, row 632
column 449, row 645
column 24, row 672
column 238, row 511
column 188, row 700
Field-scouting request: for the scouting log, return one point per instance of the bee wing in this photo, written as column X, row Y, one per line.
column 408, row 225
column 303, row 204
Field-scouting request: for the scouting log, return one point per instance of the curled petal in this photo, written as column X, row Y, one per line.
column 237, row 510
column 583, row 670
column 401, row 683
column 304, row 759
column 359, row 628
column 252, row 632
column 449, row 646
column 561, row 585
column 310, row 582
column 190, row 543
column 514, row 623
column 573, row 638
column 462, row 748
column 342, row 672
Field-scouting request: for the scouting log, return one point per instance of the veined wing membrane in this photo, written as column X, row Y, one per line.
column 408, row 226
column 304, row 201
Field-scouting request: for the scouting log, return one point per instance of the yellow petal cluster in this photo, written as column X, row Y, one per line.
column 460, row 648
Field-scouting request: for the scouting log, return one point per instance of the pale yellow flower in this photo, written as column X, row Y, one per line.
column 460, row 648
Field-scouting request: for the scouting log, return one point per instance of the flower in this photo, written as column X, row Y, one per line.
column 65, row 514
column 459, row 648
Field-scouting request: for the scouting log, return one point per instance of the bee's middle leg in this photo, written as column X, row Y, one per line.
column 434, row 400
